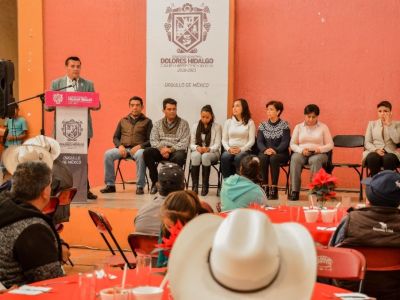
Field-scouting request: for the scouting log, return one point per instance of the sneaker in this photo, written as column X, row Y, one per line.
column 139, row 191
column 107, row 189
column 91, row 196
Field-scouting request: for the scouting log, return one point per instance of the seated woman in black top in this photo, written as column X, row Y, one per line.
column 273, row 140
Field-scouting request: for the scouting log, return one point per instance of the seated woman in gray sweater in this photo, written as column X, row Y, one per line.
column 205, row 144
column 238, row 136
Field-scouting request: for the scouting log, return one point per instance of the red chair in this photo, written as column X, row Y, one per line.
column 66, row 196
column 381, row 259
column 103, row 227
column 341, row 264
column 51, row 207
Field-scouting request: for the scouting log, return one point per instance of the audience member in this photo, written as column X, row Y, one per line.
column 273, row 140
column 169, row 140
column 30, row 247
column 180, row 206
column 243, row 256
column 238, row 137
column 381, row 140
column 244, row 189
column 171, row 178
column 205, row 144
column 131, row 137
column 377, row 225
column 16, row 126
column 310, row 143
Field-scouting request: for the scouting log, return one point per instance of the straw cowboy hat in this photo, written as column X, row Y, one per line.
column 46, row 142
column 15, row 155
column 243, row 256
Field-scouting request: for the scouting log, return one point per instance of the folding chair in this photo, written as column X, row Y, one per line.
column 216, row 167
column 381, row 259
column 287, row 174
column 118, row 171
column 142, row 243
column 51, row 206
column 341, row 264
column 103, row 226
column 350, row 142
column 66, row 196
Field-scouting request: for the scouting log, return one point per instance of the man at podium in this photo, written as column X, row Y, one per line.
column 75, row 83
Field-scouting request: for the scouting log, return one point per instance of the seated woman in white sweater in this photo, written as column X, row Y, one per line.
column 238, row 136
column 310, row 143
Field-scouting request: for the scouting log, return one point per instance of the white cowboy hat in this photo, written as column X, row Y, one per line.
column 243, row 256
column 15, row 155
column 46, row 142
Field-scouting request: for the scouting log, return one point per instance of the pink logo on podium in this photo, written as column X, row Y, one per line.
column 72, row 99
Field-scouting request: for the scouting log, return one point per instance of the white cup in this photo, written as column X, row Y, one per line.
column 148, row 293
column 328, row 215
column 311, row 215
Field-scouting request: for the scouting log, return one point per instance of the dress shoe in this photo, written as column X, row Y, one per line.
column 153, row 189
column 294, row 196
column 91, row 196
column 139, row 191
column 273, row 193
column 107, row 189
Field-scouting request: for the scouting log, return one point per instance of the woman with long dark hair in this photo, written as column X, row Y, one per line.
column 205, row 144
column 238, row 136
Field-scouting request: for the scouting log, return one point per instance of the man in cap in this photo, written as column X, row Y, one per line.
column 377, row 225
column 170, row 179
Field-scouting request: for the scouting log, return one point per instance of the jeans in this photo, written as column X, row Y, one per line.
column 230, row 163
column 113, row 154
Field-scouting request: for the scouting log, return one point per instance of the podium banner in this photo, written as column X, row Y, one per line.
column 187, row 56
column 71, row 134
column 74, row 99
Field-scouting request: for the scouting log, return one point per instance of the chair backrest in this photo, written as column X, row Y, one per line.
column 348, row 141
column 66, row 196
column 100, row 221
column 142, row 242
column 340, row 263
column 206, row 206
column 381, row 259
column 51, row 207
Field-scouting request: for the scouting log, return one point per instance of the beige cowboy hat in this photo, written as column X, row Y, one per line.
column 243, row 256
column 15, row 155
column 46, row 142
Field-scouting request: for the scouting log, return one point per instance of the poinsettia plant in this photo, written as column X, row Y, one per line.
column 168, row 242
column 323, row 185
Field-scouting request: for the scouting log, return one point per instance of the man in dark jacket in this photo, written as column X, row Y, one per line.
column 30, row 247
column 377, row 225
column 131, row 137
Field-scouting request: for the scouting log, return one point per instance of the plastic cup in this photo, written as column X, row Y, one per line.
column 143, row 269
column 116, row 293
column 311, row 215
column 147, row 293
column 328, row 215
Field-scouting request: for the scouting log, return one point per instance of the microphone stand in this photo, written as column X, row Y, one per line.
column 42, row 99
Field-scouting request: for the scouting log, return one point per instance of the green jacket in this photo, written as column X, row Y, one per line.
column 238, row 191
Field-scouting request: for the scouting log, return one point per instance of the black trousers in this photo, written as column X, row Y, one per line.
column 152, row 157
column 88, row 184
column 375, row 162
column 272, row 162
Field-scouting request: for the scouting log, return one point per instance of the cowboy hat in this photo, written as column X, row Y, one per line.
column 243, row 256
column 46, row 142
column 15, row 155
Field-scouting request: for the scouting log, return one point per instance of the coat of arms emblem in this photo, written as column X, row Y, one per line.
column 187, row 26
column 57, row 98
column 72, row 129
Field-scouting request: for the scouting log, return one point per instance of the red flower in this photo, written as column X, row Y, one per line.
column 322, row 178
column 167, row 243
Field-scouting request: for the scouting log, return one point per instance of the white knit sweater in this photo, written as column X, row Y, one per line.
column 236, row 134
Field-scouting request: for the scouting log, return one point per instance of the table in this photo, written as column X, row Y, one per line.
column 321, row 232
column 66, row 288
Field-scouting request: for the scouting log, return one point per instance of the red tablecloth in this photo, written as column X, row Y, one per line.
column 320, row 235
column 66, row 288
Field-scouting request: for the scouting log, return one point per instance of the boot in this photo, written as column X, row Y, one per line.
column 195, row 178
column 205, row 176
column 273, row 193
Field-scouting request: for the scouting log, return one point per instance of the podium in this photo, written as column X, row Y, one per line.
column 70, row 130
